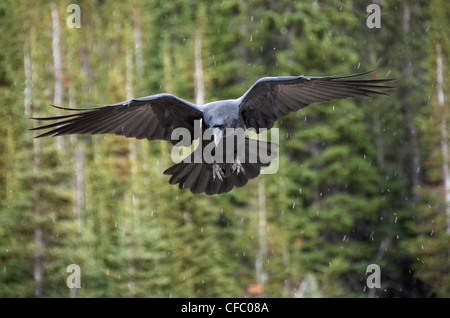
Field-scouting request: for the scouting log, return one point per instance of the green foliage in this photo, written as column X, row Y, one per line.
column 359, row 181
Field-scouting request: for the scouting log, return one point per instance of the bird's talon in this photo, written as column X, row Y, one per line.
column 217, row 172
column 237, row 166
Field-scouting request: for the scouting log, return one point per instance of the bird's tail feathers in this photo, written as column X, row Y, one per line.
column 200, row 177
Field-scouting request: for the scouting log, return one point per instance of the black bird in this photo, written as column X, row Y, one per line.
column 158, row 116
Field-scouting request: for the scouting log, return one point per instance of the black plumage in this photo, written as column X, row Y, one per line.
column 156, row 117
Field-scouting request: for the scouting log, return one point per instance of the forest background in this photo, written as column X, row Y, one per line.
column 360, row 182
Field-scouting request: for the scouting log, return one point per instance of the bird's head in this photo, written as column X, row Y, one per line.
column 219, row 116
column 218, row 128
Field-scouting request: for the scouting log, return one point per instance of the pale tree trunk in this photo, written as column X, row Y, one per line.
column 139, row 65
column 78, row 179
column 302, row 288
column 27, row 71
column 80, row 152
column 261, row 276
column 129, row 73
column 379, row 141
column 58, row 88
column 444, row 133
column 169, row 88
column 79, row 191
column 57, row 65
column 138, row 42
column 198, row 77
column 199, row 80
column 285, row 228
column 244, row 33
column 79, row 183
column 261, row 255
column 133, row 163
column 411, row 131
column 38, row 239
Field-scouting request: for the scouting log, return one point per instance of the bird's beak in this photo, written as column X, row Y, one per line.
column 217, row 133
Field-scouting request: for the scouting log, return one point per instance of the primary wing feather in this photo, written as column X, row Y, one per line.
column 152, row 117
column 272, row 98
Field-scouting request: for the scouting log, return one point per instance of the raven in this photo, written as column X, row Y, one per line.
column 157, row 117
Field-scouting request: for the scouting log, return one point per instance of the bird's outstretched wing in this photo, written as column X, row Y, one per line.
column 152, row 117
column 272, row 98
